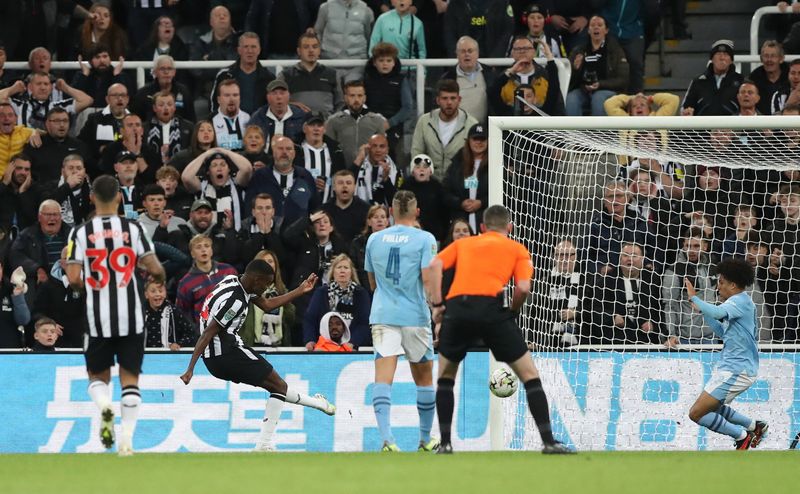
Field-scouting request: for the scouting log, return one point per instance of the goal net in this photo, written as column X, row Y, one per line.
column 618, row 213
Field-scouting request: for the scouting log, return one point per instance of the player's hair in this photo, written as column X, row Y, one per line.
column 72, row 157
column 372, row 211
column 384, row 49
column 200, row 237
column 259, row 267
column 43, row 322
column 153, row 190
column 496, row 217
column 447, row 86
column 737, row 271
column 279, row 284
column 404, row 204
column 338, row 260
column 105, row 189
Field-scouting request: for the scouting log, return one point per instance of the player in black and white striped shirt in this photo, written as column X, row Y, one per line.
column 226, row 357
column 102, row 257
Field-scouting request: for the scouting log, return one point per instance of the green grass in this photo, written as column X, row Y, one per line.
column 486, row 473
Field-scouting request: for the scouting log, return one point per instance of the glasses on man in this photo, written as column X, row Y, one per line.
column 423, row 162
column 521, row 49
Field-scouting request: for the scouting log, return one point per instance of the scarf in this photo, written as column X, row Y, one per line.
column 344, row 296
column 269, row 330
column 218, row 205
column 167, row 325
column 156, row 140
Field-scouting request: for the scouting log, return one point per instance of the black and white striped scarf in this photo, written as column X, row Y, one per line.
column 214, row 195
column 341, row 299
column 155, row 139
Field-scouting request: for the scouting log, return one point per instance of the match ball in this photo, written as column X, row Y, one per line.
column 503, row 383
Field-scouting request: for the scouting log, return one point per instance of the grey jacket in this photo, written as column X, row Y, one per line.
column 681, row 319
column 344, row 27
column 426, row 140
column 352, row 133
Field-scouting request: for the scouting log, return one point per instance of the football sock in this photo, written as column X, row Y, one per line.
column 717, row 423
column 100, row 394
column 129, row 404
column 445, row 401
column 426, row 406
column 737, row 418
column 304, row 400
column 271, row 416
column 382, row 403
column 537, row 403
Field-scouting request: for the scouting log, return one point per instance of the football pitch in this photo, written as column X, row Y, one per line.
column 486, row 473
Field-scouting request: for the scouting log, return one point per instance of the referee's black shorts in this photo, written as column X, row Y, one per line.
column 468, row 318
column 129, row 351
column 239, row 365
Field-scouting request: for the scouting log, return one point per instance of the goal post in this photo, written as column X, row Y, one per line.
column 643, row 203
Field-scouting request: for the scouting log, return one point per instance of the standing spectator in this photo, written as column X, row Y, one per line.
column 402, row 29
column 47, row 158
column 466, row 184
column 19, row 195
column 14, row 312
column 378, row 176
column 39, row 246
column 71, row 191
column 203, row 139
column 347, row 211
column 354, row 125
column 377, row 220
column 13, row 136
column 248, row 72
column 165, row 327
column 225, row 247
column 132, row 142
column 714, row 91
column 625, row 20
column 164, row 72
column 474, row 79
column 536, row 17
column 321, row 155
column 142, row 14
column 745, row 222
column 569, row 19
column 599, row 70
column 772, row 76
column 167, row 133
column 96, row 76
column 219, row 43
column 490, row 23
column 270, row 328
column 104, row 127
column 162, row 40
column 31, row 102
column 178, row 200
column 57, row 300
column 126, row 171
column 230, row 120
column 434, row 215
column 255, row 145
column 343, row 27
column 100, row 28
column 278, row 116
column 283, row 21
column 312, row 83
column 258, row 232
column 780, row 98
column 442, row 132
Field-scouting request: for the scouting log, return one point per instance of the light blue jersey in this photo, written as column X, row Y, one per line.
column 736, row 322
column 395, row 257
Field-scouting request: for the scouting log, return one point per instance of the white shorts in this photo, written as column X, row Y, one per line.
column 725, row 385
column 415, row 342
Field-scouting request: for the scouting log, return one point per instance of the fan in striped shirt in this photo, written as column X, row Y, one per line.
column 227, row 358
column 102, row 257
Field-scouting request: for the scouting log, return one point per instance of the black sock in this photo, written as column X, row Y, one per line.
column 537, row 403
column 444, row 406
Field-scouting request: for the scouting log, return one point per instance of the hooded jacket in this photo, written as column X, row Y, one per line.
column 344, row 27
column 324, row 343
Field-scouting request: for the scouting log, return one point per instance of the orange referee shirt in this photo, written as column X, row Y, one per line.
column 485, row 263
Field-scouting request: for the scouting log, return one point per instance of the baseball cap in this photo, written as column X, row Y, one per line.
column 277, row 84
column 534, row 8
column 200, row 203
column 478, row 131
column 316, row 117
column 723, row 45
column 125, row 156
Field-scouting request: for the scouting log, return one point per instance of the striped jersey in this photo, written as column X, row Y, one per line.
column 108, row 248
column 32, row 113
column 227, row 304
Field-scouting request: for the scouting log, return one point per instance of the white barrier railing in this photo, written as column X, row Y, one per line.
column 756, row 20
column 564, row 69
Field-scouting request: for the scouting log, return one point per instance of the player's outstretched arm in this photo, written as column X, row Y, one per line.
column 211, row 331
column 267, row 304
column 153, row 267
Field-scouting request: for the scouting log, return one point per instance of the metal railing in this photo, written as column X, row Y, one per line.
column 756, row 21
column 564, row 69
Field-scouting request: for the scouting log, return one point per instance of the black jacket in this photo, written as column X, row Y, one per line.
column 142, row 103
column 29, row 250
column 19, row 209
column 110, row 127
column 46, row 159
column 57, row 302
column 455, row 192
column 610, row 299
column 350, row 221
column 434, row 214
column 251, row 242
column 498, row 24
column 81, row 204
column 706, row 99
column 258, row 18
column 263, row 77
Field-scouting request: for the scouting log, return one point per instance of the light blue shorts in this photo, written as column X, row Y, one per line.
column 725, row 385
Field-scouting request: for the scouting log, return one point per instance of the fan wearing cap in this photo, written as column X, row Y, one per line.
column 126, row 168
column 433, row 212
column 224, row 242
column 714, row 91
column 167, row 133
column 321, row 155
column 466, row 184
column 220, row 176
column 278, row 116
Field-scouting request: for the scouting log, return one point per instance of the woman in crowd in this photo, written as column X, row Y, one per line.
column 466, row 185
column 269, row 328
column 163, row 41
column 99, row 27
column 377, row 220
column 203, row 139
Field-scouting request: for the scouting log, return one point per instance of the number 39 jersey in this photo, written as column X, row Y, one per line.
column 396, row 256
column 108, row 248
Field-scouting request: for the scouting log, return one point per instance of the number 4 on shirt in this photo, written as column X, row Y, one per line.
column 393, row 265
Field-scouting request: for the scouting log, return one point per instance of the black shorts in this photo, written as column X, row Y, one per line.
column 470, row 318
column 129, row 351
column 240, row 365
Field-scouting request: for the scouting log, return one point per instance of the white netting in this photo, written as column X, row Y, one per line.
column 616, row 220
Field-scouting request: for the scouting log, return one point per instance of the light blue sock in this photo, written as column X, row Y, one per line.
column 426, row 406
column 717, row 423
column 382, row 403
column 735, row 417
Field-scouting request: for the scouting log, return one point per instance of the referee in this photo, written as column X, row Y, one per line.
column 475, row 309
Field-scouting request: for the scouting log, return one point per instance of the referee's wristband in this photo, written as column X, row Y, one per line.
column 436, row 306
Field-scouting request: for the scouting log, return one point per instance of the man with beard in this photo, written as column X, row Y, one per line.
column 56, row 145
column 98, row 75
column 166, row 132
column 19, row 195
column 225, row 246
column 230, row 121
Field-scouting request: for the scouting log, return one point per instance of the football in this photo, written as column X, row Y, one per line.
column 503, row 383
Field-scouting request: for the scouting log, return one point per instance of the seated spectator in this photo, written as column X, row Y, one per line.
column 490, row 23
column 377, row 176
column 258, row 232
column 772, row 76
column 270, row 328
column 283, row 21
column 98, row 74
column 45, row 334
column 352, row 126
column 278, row 116
column 684, row 324
column 312, row 83
column 707, row 196
column 641, row 105
column 787, row 95
column 401, row 28
column 322, row 156
column 347, row 211
column 535, row 17
column 569, row 19
column 131, row 185
column 334, row 334
column 714, row 91
column 178, row 200
column 344, row 27
column 147, row 160
column 100, row 28
column 219, row 43
column 255, row 145
column 13, row 137
column 56, row 300
column 167, row 133
column 200, row 280
column 164, row 73
column 434, row 214
column 203, row 139
column 389, row 91
column 559, row 301
column 39, row 246
column 225, row 246
column 221, row 177
column 757, row 255
column 543, row 80
column 377, row 220
column 745, row 222
column 20, row 195
column 599, row 70
column 105, row 126
column 655, row 209
column 14, row 311
column 248, row 72
column 162, row 40
column 466, row 185
column 229, row 121
column 72, row 191
column 474, row 79
column 55, row 145
column 165, row 326
column 341, row 294
column 33, row 101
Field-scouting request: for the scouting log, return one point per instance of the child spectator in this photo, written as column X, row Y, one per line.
column 402, row 29
column 178, row 200
column 45, row 335
column 334, row 334
column 433, row 212
column 165, row 327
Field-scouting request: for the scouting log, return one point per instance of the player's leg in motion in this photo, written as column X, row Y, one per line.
column 279, row 393
column 722, row 419
column 445, row 401
column 100, row 393
column 422, row 372
column 130, row 401
column 382, row 398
